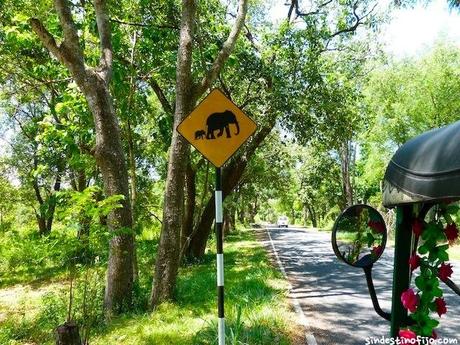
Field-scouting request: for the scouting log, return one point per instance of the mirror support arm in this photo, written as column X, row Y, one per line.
column 375, row 301
column 453, row 286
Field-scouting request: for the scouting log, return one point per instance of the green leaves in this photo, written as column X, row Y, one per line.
column 89, row 203
column 434, row 249
column 433, row 232
column 432, row 235
column 439, row 253
column 429, row 287
column 452, row 209
column 370, row 239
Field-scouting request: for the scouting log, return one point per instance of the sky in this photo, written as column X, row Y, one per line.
column 410, row 31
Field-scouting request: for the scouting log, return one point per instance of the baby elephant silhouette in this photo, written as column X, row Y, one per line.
column 200, row 134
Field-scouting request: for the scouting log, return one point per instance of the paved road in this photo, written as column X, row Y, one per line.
column 334, row 296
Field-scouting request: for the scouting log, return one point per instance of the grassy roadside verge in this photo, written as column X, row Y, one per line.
column 256, row 306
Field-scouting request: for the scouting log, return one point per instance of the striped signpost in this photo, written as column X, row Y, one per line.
column 220, row 258
column 217, row 128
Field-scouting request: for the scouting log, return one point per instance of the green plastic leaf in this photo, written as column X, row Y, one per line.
column 423, row 249
column 452, row 209
column 370, row 239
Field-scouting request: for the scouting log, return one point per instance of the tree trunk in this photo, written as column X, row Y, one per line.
column 190, row 200
column 167, row 259
column 52, row 203
column 111, row 161
column 45, row 214
column 312, row 214
column 345, row 158
column 203, row 195
column 187, row 93
column 231, row 176
column 229, row 220
column 227, row 223
column 133, row 185
column 232, row 219
column 197, row 246
column 241, row 214
column 41, row 221
column 68, row 334
column 94, row 83
column 40, row 214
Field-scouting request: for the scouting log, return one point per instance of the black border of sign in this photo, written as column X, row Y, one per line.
column 233, row 153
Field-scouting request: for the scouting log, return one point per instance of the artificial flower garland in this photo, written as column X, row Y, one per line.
column 434, row 240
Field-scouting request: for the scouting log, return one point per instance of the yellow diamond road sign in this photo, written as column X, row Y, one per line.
column 217, row 128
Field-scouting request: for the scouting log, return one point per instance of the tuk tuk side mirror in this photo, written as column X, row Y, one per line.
column 359, row 236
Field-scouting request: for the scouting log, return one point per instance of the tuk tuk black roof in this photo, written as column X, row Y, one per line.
column 426, row 168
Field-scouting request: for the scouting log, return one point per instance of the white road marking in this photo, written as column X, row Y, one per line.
column 310, row 338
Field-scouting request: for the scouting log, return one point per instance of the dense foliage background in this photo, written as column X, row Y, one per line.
column 331, row 109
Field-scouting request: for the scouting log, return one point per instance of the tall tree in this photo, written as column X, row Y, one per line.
column 94, row 84
column 187, row 94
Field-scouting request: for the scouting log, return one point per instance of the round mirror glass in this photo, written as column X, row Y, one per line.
column 359, row 236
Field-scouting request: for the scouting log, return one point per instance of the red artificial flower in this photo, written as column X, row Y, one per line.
column 407, row 334
column 377, row 226
column 451, row 232
column 414, row 262
column 377, row 250
column 417, row 227
column 434, row 335
column 410, row 300
column 445, row 271
column 440, row 306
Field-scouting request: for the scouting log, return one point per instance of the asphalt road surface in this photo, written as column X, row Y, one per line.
column 334, row 297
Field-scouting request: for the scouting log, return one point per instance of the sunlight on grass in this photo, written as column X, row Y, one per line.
column 24, row 299
column 169, row 324
column 256, row 307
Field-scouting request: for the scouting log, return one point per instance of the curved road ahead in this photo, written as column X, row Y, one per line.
column 333, row 295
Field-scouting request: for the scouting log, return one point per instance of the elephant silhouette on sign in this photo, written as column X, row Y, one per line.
column 200, row 134
column 221, row 122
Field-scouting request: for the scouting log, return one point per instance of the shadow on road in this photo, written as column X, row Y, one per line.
column 334, row 296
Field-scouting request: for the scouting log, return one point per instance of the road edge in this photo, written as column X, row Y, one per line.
column 309, row 337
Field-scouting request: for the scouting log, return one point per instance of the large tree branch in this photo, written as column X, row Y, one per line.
column 295, row 7
column 67, row 24
column 152, row 82
column 358, row 21
column 71, row 43
column 35, row 183
column 47, row 39
column 143, row 25
column 249, row 35
column 103, row 27
column 160, row 95
column 69, row 52
column 226, row 50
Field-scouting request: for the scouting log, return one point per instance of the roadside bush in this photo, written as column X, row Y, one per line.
column 26, row 257
column 87, row 311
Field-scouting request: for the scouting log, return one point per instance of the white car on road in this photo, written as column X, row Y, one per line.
column 282, row 222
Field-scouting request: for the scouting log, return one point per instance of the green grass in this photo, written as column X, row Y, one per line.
column 28, row 259
column 256, row 307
